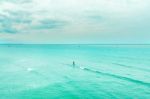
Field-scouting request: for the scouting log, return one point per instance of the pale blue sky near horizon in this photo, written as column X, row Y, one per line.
column 75, row 21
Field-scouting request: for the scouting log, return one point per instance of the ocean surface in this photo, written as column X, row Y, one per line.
column 74, row 71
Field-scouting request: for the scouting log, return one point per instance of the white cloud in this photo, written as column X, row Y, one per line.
column 86, row 20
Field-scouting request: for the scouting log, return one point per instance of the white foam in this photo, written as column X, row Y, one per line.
column 81, row 67
column 29, row 69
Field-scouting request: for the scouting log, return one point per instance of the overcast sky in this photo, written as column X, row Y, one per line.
column 75, row 21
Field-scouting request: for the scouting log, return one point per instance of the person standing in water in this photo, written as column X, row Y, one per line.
column 73, row 64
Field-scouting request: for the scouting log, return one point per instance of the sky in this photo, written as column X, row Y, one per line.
column 75, row 21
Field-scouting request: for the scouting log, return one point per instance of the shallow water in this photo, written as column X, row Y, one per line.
column 100, row 72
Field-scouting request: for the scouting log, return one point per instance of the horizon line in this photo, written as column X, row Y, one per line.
column 72, row 44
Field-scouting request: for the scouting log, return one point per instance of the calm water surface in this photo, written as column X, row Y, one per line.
column 99, row 72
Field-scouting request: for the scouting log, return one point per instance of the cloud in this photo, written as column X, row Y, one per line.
column 49, row 24
column 11, row 21
column 75, row 20
column 16, row 1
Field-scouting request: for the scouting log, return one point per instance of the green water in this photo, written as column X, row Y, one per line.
column 99, row 72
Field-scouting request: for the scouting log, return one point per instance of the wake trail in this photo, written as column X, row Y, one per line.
column 112, row 75
column 118, row 64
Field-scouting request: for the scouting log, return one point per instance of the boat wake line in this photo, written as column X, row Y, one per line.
column 111, row 75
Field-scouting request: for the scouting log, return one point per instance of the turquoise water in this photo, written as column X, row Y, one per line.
column 100, row 72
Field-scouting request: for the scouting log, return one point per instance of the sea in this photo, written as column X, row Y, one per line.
column 74, row 71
